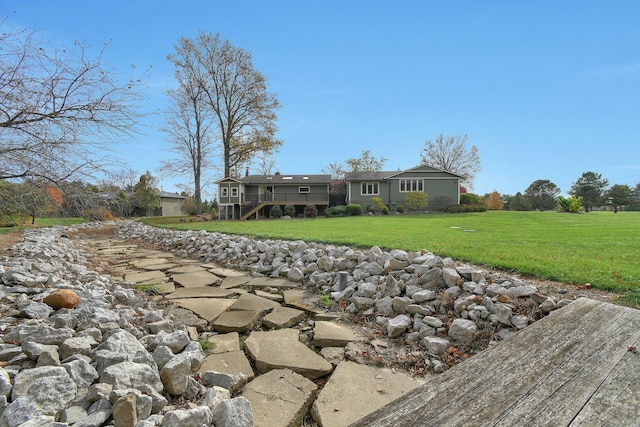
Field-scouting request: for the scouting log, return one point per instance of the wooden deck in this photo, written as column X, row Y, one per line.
column 576, row 367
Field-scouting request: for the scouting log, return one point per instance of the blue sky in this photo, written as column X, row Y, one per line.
column 544, row 89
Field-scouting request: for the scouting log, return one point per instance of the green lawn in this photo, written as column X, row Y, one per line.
column 600, row 248
column 44, row 222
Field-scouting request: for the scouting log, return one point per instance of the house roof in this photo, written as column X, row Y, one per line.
column 286, row 179
column 382, row 175
column 166, row 195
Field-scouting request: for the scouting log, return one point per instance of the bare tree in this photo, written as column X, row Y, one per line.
column 365, row 163
column 189, row 127
column 235, row 94
column 56, row 106
column 451, row 153
column 265, row 163
column 335, row 169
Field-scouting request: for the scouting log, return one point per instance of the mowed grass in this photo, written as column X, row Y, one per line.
column 44, row 222
column 600, row 248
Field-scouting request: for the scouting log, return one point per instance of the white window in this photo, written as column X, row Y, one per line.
column 369, row 188
column 234, row 192
column 407, row 185
column 304, row 189
column 224, row 192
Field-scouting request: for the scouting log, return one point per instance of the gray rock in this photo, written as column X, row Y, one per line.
column 131, row 375
column 436, row 345
column 231, row 382
column 398, row 325
column 462, row 330
column 503, row 313
column 424, row 295
column 176, row 372
column 176, row 340
column 197, row 417
column 233, row 413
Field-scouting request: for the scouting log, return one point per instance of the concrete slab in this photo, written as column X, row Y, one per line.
column 158, row 281
column 236, row 321
column 302, row 300
column 138, row 277
column 268, row 295
column 192, row 268
column 144, row 262
column 196, row 279
column 159, row 267
column 268, row 282
column 332, row 334
column 225, row 272
column 224, row 343
column 208, row 309
column 163, row 288
column 283, row 317
column 281, row 349
column 280, row 398
column 202, row 292
column 232, row 362
column 234, row 282
column 250, row 302
column 354, row 391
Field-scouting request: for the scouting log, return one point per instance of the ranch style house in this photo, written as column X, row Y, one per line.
column 441, row 187
column 253, row 196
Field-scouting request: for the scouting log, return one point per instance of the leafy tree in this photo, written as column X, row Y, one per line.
column 57, row 106
column 570, row 204
column 145, row 194
column 634, row 204
column 233, row 92
column 590, row 186
column 55, row 199
column 451, row 153
column 519, row 203
column 618, row 196
column 365, row 163
column 494, row 201
column 416, row 200
column 542, row 194
column 19, row 201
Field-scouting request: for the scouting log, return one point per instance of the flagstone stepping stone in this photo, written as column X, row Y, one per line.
column 234, row 282
column 207, row 308
column 159, row 267
column 224, row 272
column 141, row 263
column 231, row 362
column 373, row 386
column 138, row 277
column 162, row 288
column 158, row 281
column 268, row 282
column 202, row 292
column 191, row 268
column 280, row 349
column 302, row 299
column 332, row 334
column 283, row 317
column 279, row 398
column 329, row 315
column 252, row 302
column 268, row 295
column 236, row 321
column 223, row 343
column 196, row 279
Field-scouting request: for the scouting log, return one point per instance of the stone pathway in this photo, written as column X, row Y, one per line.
column 270, row 335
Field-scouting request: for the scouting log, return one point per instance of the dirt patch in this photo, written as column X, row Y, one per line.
column 9, row 239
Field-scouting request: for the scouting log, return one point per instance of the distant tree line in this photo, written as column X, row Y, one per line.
column 590, row 191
